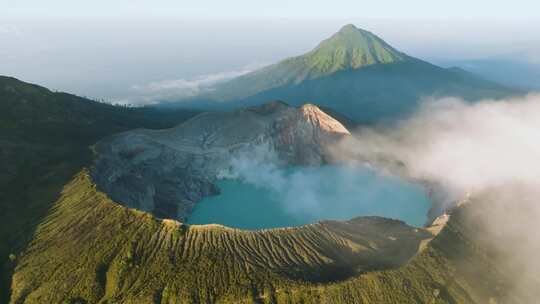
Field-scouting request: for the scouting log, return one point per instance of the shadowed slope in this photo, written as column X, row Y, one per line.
column 382, row 92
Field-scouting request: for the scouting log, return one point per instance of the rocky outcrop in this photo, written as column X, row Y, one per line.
column 167, row 171
column 322, row 122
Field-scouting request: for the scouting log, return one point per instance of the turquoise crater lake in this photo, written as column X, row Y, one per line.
column 299, row 196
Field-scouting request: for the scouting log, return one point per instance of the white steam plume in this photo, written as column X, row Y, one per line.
column 465, row 147
column 490, row 149
column 332, row 192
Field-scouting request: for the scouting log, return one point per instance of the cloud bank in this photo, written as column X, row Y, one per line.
column 465, row 147
column 490, row 150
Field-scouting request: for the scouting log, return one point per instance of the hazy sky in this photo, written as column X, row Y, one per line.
column 411, row 9
column 128, row 50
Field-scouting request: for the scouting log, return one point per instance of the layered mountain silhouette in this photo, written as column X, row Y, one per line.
column 353, row 72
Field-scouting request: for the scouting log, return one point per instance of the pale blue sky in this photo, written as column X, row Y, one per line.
column 297, row 9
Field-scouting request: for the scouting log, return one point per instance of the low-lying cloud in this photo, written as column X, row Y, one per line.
column 465, row 147
column 177, row 89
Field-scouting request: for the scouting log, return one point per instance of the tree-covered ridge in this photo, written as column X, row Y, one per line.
column 34, row 113
column 44, row 140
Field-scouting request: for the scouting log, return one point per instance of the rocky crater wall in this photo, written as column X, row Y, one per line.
column 167, row 172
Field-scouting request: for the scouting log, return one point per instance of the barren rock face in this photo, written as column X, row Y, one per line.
column 167, row 171
column 321, row 121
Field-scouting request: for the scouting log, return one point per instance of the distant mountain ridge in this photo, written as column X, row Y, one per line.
column 350, row 48
column 353, row 72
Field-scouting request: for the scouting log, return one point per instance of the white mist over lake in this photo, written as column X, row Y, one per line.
column 303, row 195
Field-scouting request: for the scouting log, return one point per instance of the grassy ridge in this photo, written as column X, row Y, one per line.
column 93, row 249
